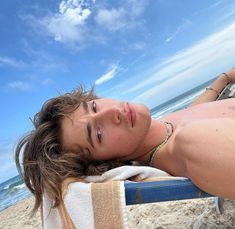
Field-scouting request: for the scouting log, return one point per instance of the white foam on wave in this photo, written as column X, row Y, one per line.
column 20, row 186
column 177, row 105
column 6, row 187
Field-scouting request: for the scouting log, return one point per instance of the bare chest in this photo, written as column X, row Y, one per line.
column 207, row 111
column 212, row 110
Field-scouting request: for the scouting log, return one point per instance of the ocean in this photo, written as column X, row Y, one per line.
column 14, row 190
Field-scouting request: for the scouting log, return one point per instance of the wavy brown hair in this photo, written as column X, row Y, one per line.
column 45, row 164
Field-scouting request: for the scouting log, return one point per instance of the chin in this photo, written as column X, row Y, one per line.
column 145, row 110
column 143, row 115
column 143, row 107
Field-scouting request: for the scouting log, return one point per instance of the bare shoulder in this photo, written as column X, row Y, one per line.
column 194, row 131
column 203, row 137
column 206, row 148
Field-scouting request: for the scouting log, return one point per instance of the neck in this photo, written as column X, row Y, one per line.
column 156, row 135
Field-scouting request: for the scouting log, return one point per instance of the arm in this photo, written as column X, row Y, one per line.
column 216, row 87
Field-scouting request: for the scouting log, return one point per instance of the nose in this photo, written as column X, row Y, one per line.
column 111, row 114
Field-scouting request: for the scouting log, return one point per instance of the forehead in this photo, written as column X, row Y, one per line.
column 73, row 129
column 74, row 125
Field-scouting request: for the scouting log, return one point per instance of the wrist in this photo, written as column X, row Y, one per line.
column 226, row 78
column 221, row 82
column 214, row 90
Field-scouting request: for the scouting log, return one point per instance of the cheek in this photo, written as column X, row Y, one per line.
column 122, row 142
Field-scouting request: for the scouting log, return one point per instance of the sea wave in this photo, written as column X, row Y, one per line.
column 19, row 186
column 6, row 187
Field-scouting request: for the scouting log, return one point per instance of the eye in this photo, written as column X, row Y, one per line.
column 99, row 135
column 94, row 108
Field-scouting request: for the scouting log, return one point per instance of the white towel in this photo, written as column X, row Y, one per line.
column 99, row 202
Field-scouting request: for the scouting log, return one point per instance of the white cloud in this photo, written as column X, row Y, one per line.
column 216, row 4
column 6, row 61
column 195, row 64
column 181, row 71
column 68, row 25
column 229, row 12
column 113, row 70
column 78, row 23
column 180, row 28
column 113, row 20
column 138, row 46
column 19, row 85
column 124, row 17
column 208, row 8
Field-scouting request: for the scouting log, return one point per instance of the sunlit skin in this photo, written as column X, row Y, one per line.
column 113, row 134
column 200, row 148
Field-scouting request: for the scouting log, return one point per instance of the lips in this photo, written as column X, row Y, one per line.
column 131, row 114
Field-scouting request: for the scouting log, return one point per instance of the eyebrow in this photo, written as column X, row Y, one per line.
column 88, row 127
column 85, row 106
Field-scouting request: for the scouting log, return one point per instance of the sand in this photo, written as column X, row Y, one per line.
column 195, row 214
column 18, row 216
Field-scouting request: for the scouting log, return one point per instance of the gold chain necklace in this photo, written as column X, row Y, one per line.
column 158, row 147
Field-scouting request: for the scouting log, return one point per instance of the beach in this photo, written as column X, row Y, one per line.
column 195, row 214
column 18, row 216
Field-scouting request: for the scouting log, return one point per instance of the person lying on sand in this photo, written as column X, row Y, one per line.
column 78, row 134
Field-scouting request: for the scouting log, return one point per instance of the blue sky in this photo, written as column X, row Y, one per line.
column 129, row 49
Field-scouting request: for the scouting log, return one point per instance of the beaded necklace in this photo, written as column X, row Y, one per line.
column 155, row 150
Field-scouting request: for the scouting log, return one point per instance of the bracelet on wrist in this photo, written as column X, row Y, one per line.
column 227, row 77
column 212, row 89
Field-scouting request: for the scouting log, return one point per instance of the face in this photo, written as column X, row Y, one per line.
column 107, row 128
